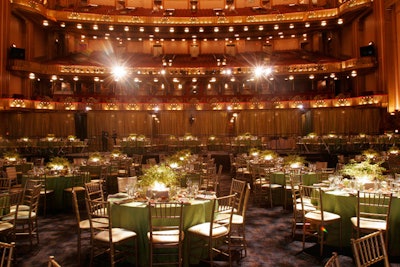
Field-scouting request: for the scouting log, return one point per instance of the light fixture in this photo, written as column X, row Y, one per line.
column 291, row 77
column 261, row 27
column 126, row 28
column 156, row 29
column 32, row 76
column 245, row 28
column 291, row 26
column 216, row 29
column 76, row 78
column 45, row 23
column 353, row 73
column 276, row 27
column 141, row 29
column 171, row 29
column 62, row 24
column 323, row 23
column 311, row 77
column 186, row 29
column 95, row 27
column 307, row 25
column 79, row 26
column 201, row 29
column 111, row 27
column 340, row 21
column 96, row 79
column 53, row 77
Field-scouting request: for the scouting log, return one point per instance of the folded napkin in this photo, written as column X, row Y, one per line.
column 118, row 195
column 124, row 201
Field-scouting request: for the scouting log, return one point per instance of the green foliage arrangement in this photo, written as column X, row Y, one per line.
column 161, row 174
column 364, row 168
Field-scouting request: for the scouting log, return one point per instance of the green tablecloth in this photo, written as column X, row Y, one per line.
column 279, row 178
column 57, row 183
column 134, row 216
column 345, row 206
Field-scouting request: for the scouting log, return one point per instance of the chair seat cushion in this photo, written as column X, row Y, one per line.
column 99, row 222
column 118, row 235
column 369, row 223
column 4, row 226
column 167, row 236
column 75, row 188
column 317, row 216
column 203, row 229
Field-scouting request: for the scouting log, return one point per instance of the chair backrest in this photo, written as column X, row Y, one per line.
column 370, row 249
column 52, row 262
column 94, row 191
column 7, row 254
column 11, row 173
column 99, row 216
column 221, row 216
column 311, row 199
column 333, row 261
column 5, row 184
column 31, row 198
column 238, row 188
column 373, row 205
column 8, row 200
column 165, row 216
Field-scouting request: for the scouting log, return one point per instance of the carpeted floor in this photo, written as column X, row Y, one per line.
column 268, row 234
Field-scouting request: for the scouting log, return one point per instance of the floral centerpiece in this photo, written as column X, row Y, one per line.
column 294, row 161
column 370, row 153
column 159, row 175
column 58, row 164
column 394, row 150
column 254, row 152
column 11, row 156
column 95, row 158
column 364, row 171
column 116, row 153
column 178, row 159
column 71, row 138
column 268, row 155
column 50, row 137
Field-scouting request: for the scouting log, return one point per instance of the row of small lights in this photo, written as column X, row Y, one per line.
column 187, row 29
column 299, row 104
column 258, row 73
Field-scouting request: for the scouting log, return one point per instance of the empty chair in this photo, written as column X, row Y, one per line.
column 94, row 191
column 5, row 184
column 46, row 194
column 314, row 221
column 373, row 211
column 333, row 261
column 217, row 227
column 27, row 220
column 237, row 188
column 166, row 233
column 11, row 173
column 82, row 225
column 9, row 215
column 52, row 262
column 370, row 249
column 238, row 234
column 6, row 254
column 117, row 242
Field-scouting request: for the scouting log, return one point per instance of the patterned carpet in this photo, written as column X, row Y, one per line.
column 268, row 234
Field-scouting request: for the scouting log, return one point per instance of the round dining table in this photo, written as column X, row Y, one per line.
column 134, row 215
column 343, row 203
column 57, row 182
